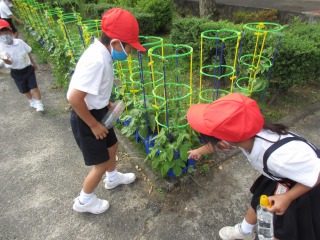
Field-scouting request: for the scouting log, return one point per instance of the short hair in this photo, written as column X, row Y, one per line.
column 105, row 39
column 5, row 29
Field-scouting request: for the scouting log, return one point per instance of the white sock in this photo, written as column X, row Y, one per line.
column 84, row 198
column 38, row 101
column 112, row 175
column 246, row 227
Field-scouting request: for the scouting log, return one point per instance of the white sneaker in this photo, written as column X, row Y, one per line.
column 95, row 205
column 123, row 178
column 235, row 233
column 1, row 63
column 38, row 106
column 32, row 103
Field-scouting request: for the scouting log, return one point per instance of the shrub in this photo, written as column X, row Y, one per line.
column 95, row 11
column 162, row 11
column 298, row 61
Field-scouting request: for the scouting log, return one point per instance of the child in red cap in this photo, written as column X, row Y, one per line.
column 89, row 95
column 7, row 15
column 289, row 165
column 16, row 55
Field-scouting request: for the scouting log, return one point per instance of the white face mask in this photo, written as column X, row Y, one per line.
column 6, row 39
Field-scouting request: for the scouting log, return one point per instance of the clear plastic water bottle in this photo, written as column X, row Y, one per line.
column 265, row 219
column 111, row 117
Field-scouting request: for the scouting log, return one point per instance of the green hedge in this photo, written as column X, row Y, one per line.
column 162, row 11
column 298, row 61
column 145, row 20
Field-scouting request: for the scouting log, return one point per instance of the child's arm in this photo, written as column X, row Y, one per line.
column 33, row 62
column 196, row 154
column 76, row 99
column 16, row 19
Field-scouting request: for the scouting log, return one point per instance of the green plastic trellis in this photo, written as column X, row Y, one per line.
column 175, row 93
column 257, row 63
column 223, row 46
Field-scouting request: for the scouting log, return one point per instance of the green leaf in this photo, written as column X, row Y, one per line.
column 143, row 131
column 177, row 170
column 154, row 163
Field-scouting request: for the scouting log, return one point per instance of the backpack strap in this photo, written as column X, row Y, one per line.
column 278, row 144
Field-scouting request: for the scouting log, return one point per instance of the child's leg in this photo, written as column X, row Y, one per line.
column 251, row 216
column 95, row 175
column 28, row 95
column 36, row 93
column 37, row 96
column 113, row 177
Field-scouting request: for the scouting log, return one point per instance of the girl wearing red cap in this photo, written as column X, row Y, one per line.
column 89, row 95
column 290, row 174
column 16, row 55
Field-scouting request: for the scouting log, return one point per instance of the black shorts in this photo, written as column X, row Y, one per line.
column 94, row 151
column 9, row 20
column 301, row 219
column 25, row 79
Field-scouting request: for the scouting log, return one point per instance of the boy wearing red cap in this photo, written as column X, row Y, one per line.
column 89, row 95
column 290, row 174
column 7, row 15
column 16, row 55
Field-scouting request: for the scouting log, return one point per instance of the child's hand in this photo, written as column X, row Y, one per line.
column 280, row 203
column 195, row 154
column 110, row 105
column 99, row 131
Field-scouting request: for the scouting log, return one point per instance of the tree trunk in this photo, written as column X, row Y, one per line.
column 208, row 9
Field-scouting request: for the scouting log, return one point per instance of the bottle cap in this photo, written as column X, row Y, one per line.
column 264, row 202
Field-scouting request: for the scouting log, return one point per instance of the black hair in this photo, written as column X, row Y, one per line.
column 105, row 39
column 277, row 128
column 209, row 139
column 5, row 29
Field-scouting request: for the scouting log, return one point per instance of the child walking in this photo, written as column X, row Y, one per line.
column 89, row 95
column 289, row 171
column 16, row 55
column 7, row 15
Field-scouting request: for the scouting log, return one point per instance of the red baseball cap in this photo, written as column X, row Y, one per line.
column 118, row 23
column 4, row 24
column 233, row 118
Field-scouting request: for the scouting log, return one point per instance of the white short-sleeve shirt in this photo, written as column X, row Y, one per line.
column 18, row 53
column 295, row 160
column 5, row 11
column 94, row 75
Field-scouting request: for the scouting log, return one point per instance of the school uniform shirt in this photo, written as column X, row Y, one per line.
column 94, row 75
column 18, row 54
column 295, row 160
column 5, row 11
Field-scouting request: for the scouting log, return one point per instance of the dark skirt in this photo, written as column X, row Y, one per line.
column 301, row 221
